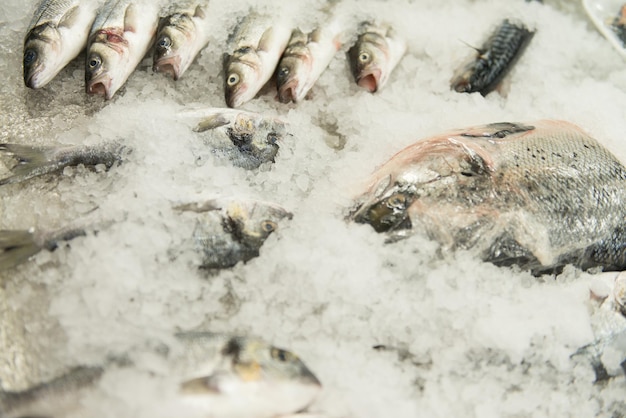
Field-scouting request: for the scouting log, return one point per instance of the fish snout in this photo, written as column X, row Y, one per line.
column 288, row 92
column 387, row 214
column 169, row 65
column 369, row 80
column 100, row 86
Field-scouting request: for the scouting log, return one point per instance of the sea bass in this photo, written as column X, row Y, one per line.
column 56, row 35
column 305, row 59
column 181, row 35
column 120, row 37
column 374, row 56
column 254, row 50
column 493, row 60
column 231, row 230
column 219, row 375
column 539, row 195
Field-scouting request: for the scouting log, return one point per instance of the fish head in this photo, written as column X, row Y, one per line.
column 291, row 75
column 104, row 69
column 241, row 77
column 257, row 136
column 366, row 60
column 174, row 41
column 42, row 52
column 261, row 376
column 251, row 222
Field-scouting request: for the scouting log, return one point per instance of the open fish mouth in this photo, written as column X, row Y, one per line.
column 288, row 92
column 100, row 86
column 369, row 80
column 169, row 66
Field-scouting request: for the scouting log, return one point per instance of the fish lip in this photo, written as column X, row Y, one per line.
column 369, row 80
column 105, row 90
column 288, row 92
column 168, row 65
column 235, row 99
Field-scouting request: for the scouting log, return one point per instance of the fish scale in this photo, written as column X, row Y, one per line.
column 51, row 10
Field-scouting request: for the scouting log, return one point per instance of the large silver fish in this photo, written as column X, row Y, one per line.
column 540, row 195
column 374, row 56
column 56, row 34
column 181, row 35
column 120, row 37
column 224, row 375
column 254, row 51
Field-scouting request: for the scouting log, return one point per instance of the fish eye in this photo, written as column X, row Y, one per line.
column 232, row 79
column 283, row 72
column 268, row 226
column 364, row 57
column 29, row 56
column 281, row 355
column 94, row 62
column 272, row 138
column 165, row 42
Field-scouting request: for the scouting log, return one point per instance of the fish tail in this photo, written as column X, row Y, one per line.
column 31, row 162
column 16, row 247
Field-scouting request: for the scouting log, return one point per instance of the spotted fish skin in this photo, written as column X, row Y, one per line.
column 494, row 60
column 540, row 196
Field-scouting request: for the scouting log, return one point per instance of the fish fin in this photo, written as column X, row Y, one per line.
column 130, row 18
column 16, row 247
column 32, row 162
column 507, row 251
column 212, row 122
column 199, row 12
column 201, row 385
column 266, row 40
column 69, row 18
column 199, row 207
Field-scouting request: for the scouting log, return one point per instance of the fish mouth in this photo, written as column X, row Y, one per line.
column 236, row 98
column 288, row 92
column 369, row 80
column 100, row 86
column 169, row 66
column 386, row 215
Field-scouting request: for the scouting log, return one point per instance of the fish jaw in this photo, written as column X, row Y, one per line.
column 370, row 79
column 170, row 65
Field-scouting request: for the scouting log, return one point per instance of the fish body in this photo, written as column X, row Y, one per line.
column 230, row 230
column 222, row 374
column 305, row 59
column 540, row 196
column 120, row 37
column 493, row 60
column 375, row 54
column 618, row 25
column 56, row 34
column 180, row 37
column 255, row 48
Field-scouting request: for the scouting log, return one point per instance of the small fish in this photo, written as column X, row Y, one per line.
column 181, row 36
column 56, row 35
column 618, row 25
column 374, row 56
column 256, row 137
column 255, row 48
column 120, row 37
column 494, row 59
column 305, row 59
column 230, row 230
column 37, row 161
column 228, row 375
column 541, row 196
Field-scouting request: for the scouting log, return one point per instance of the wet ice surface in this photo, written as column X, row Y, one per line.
column 483, row 341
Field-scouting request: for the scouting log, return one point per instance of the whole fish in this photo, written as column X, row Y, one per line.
column 374, row 56
column 255, row 48
column 181, row 36
column 120, row 37
column 37, row 161
column 255, row 136
column 493, row 60
column 305, row 59
column 221, row 374
column 56, row 34
column 231, row 230
column 539, row 195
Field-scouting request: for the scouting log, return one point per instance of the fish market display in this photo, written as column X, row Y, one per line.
column 181, row 36
column 253, row 53
column 374, row 56
column 202, row 372
column 493, row 60
column 304, row 60
column 37, row 161
column 540, row 196
column 230, row 231
column 56, row 34
column 119, row 38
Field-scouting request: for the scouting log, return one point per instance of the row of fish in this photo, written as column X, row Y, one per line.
column 119, row 33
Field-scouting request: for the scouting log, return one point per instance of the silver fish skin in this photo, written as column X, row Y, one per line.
column 226, row 375
column 254, row 51
column 255, row 136
column 377, row 51
column 120, row 37
column 56, row 34
column 305, row 59
column 182, row 34
column 230, row 230
column 37, row 161
column 540, row 195
column 495, row 58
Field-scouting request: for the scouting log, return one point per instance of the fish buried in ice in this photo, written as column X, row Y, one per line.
column 217, row 374
column 180, row 37
column 120, row 37
column 255, row 48
column 539, row 195
column 493, row 60
column 374, row 56
column 231, row 230
column 56, row 35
